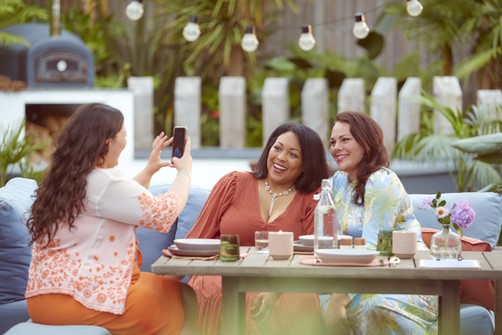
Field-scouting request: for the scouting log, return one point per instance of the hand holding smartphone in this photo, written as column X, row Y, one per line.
column 179, row 135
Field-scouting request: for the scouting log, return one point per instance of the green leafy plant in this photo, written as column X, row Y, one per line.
column 16, row 11
column 468, row 173
column 13, row 153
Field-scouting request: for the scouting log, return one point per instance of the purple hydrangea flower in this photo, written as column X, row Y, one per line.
column 426, row 203
column 462, row 214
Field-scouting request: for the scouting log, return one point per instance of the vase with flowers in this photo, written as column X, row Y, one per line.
column 446, row 243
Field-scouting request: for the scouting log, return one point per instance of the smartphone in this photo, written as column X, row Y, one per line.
column 180, row 135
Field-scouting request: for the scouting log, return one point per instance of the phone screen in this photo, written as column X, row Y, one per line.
column 179, row 135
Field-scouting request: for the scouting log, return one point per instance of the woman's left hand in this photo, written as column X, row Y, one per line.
column 154, row 161
column 262, row 306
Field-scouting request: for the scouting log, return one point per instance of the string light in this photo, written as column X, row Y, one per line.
column 191, row 32
column 249, row 41
column 306, row 41
column 414, row 7
column 134, row 10
column 360, row 29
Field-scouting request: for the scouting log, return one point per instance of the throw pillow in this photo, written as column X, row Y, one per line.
column 477, row 292
column 16, row 198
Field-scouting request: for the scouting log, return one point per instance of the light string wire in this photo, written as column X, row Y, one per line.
column 306, row 42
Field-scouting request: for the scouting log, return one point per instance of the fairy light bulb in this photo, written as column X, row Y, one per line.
column 134, row 10
column 306, row 41
column 249, row 41
column 360, row 29
column 191, row 32
column 414, row 7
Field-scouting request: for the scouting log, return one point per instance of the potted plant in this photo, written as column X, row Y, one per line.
column 14, row 150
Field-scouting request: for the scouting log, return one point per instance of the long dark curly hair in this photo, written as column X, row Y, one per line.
column 81, row 146
column 369, row 135
column 315, row 166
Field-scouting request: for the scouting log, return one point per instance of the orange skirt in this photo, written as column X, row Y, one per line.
column 292, row 313
column 153, row 306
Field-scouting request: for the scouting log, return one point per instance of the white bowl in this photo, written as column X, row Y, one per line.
column 346, row 255
column 324, row 241
column 197, row 244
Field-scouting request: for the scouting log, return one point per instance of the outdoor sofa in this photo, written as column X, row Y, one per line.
column 15, row 254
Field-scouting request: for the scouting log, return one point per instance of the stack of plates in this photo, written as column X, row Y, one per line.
column 346, row 255
column 202, row 247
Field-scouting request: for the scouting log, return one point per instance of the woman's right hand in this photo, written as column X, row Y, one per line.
column 185, row 161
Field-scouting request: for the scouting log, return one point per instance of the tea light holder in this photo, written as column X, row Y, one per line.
column 404, row 243
column 280, row 245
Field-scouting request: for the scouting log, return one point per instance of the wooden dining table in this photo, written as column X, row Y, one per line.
column 258, row 273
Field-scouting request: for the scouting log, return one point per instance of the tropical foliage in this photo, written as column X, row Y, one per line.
column 16, row 11
column 447, row 26
column 14, row 151
column 429, row 145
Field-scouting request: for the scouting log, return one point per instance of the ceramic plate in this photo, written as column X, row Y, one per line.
column 198, row 244
column 198, row 253
column 298, row 246
column 347, row 255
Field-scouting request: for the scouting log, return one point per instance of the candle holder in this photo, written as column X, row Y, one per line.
column 229, row 248
column 280, row 245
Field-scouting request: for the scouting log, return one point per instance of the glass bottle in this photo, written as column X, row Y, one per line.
column 446, row 244
column 325, row 222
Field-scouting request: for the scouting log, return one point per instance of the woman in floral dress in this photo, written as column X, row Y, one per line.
column 369, row 197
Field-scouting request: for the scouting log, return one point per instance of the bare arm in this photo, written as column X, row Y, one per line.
column 181, row 184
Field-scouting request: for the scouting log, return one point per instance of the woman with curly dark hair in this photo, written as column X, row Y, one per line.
column 84, row 267
column 369, row 197
column 278, row 196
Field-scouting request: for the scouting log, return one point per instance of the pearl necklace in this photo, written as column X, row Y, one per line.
column 275, row 196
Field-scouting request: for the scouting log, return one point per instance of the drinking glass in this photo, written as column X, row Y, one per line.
column 261, row 242
column 229, row 248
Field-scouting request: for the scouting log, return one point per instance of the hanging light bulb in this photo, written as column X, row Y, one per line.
column 307, row 40
column 134, row 10
column 414, row 7
column 191, row 32
column 249, row 41
column 360, row 29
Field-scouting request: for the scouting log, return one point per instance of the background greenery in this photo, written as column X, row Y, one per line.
column 153, row 46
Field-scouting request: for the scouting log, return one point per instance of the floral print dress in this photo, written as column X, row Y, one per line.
column 387, row 206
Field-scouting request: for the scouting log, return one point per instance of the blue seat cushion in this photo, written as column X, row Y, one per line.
column 12, row 313
column 16, row 198
column 35, row 328
column 487, row 205
column 477, row 320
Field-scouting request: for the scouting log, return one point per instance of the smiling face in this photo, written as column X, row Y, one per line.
column 284, row 162
column 346, row 151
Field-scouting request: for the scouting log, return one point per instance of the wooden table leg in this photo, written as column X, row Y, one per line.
column 233, row 307
column 498, row 307
column 449, row 308
column 229, row 307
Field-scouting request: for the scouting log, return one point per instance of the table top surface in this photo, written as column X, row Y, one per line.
column 254, row 265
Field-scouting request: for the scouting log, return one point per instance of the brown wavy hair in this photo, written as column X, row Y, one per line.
column 315, row 166
column 369, row 135
column 81, row 145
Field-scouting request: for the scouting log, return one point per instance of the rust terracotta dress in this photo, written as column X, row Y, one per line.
column 233, row 208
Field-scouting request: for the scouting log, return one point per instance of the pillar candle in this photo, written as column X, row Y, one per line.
column 280, row 244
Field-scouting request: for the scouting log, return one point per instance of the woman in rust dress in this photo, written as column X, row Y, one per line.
column 278, row 196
